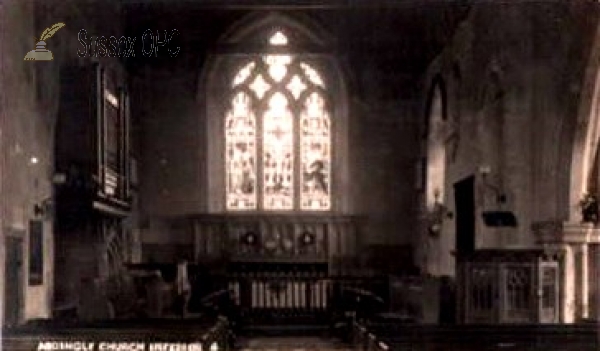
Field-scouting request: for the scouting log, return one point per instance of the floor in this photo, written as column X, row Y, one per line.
column 290, row 344
column 281, row 337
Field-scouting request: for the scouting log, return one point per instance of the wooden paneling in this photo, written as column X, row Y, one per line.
column 273, row 237
column 501, row 286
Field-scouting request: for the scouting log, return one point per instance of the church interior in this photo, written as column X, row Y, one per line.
column 299, row 175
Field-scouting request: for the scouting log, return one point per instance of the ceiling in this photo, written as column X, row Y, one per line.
column 399, row 37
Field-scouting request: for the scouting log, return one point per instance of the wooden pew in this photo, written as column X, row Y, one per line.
column 401, row 337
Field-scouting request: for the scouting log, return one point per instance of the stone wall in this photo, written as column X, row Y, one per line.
column 30, row 102
column 381, row 140
column 513, row 74
column 26, row 144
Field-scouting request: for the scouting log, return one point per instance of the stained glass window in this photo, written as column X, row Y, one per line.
column 277, row 66
column 296, row 87
column 314, row 144
column 240, row 126
column 312, row 75
column 243, row 74
column 278, row 114
column 278, row 154
column 278, row 39
column 259, row 86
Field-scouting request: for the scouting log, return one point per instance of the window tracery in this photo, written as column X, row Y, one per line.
column 278, row 136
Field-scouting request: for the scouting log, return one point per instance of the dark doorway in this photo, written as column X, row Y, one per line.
column 36, row 253
column 13, row 281
column 464, row 197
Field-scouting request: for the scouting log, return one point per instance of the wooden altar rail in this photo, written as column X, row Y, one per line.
column 398, row 336
column 289, row 295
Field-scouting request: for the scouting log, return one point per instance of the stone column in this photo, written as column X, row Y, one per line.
column 578, row 236
column 568, row 286
column 574, row 238
column 583, row 274
column 2, row 269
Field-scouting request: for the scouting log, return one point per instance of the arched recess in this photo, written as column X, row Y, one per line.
column 436, row 143
column 582, row 138
column 435, row 136
column 251, row 40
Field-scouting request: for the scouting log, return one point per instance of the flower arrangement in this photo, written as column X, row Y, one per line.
column 589, row 208
column 435, row 218
column 434, row 230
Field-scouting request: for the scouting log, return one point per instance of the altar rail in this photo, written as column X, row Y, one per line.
column 307, row 237
column 297, row 297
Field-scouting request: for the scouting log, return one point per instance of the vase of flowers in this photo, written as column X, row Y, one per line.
column 589, row 208
column 435, row 219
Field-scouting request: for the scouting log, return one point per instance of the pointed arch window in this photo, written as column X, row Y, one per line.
column 278, row 135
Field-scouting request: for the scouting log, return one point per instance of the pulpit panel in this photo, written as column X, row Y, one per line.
column 508, row 286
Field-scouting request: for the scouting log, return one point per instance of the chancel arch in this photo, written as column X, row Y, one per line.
column 579, row 142
column 586, row 183
column 572, row 228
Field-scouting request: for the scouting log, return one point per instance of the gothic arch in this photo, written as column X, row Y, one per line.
column 249, row 38
column 437, row 85
column 435, row 123
column 580, row 138
column 299, row 27
column 436, row 120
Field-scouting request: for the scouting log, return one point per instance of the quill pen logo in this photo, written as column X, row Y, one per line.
column 41, row 53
